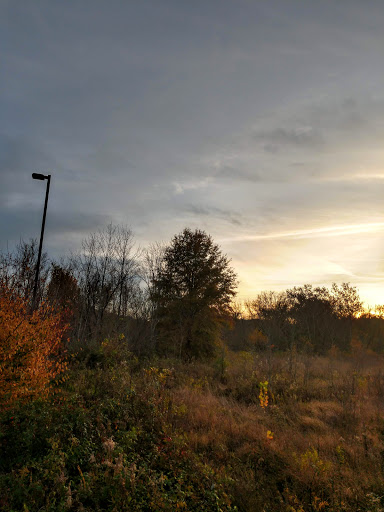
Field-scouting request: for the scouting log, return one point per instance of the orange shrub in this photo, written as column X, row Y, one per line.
column 31, row 348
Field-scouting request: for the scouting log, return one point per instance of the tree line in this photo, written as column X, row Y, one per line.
column 168, row 299
column 178, row 299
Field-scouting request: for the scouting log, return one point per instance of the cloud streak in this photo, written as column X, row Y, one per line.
column 329, row 231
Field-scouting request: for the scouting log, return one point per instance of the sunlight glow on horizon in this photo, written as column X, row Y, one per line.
column 372, row 294
column 279, row 261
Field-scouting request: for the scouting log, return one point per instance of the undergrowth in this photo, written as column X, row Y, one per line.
column 253, row 434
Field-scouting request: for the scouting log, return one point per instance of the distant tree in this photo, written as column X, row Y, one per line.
column 271, row 310
column 313, row 317
column 346, row 301
column 62, row 290
column 192, row 290
column 18, row 269
column 107, row 275
column 307, row 317
column 370, row 329
column 239, row 334
column 347, row 306
column 151, row 265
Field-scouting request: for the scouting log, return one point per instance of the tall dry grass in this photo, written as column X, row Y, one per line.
column 318, row 445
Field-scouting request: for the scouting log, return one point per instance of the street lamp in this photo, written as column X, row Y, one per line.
column 41, row 177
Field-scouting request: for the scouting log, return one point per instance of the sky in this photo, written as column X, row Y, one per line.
column 260, row 122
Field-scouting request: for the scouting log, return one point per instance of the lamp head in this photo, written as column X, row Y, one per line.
column 37, row 176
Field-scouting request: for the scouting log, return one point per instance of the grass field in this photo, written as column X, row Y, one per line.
column 249, row 432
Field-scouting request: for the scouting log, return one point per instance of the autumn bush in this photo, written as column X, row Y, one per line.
column 32, row 352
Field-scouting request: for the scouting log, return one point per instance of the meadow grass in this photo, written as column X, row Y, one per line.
column 249, row 432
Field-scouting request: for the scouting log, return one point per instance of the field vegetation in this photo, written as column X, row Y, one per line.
column 139, row 384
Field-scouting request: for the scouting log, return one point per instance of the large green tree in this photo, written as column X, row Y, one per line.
column 193, row 289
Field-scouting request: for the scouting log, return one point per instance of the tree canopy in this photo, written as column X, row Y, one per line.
column 193, row 288
column 315, row 317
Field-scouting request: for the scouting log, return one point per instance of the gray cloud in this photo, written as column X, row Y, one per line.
column 305, row 136
column 25, row 222
column 204, row 211
column 230, row 172
column 19, row 157
column 19, row 154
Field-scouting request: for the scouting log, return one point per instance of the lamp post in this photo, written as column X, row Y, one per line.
column 42, row 177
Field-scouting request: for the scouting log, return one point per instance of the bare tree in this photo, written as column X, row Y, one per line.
column 143, row 309
column 107, row 273
column 18, row 268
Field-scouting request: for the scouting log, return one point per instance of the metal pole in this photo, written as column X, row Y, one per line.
column 41, row 244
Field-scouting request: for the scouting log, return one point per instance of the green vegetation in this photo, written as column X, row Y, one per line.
column 185, row 436
column 192, row 291
column 101, row 444
column 271, row 406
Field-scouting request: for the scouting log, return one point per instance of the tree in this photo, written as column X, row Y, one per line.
column 308, row 317
column 271, row 310
column 151, row 264
column 312, row 312
column 192, row 291
column 347, row 306
column 62, row 290
column 18, row 270
column 107, row 275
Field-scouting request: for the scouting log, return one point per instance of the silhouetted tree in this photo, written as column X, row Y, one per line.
column 192, row 290
column 347, row 305
column 313, row 316
column 307, row 317
column 370, row 329
column 62, row 290
column 107, row 273
column 18, row 269
column 271, row 310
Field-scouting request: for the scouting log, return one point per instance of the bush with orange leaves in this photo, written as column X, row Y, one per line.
column 31, row 349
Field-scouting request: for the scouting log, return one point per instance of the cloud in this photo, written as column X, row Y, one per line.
column 183, row 186
column 333, row 140
column 206, row 211
column 230, row 172
column 263, row 119
column 321, row 232
column 63, row 228
column 305, row 137
column 20, row 156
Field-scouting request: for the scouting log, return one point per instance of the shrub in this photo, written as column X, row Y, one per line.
column 109, row 452
column 31, row 349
